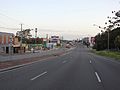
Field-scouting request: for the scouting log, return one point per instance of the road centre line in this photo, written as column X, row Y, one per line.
column 38, row 76
column 99, row 80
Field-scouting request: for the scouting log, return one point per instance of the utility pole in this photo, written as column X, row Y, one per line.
column 108, row 38
column 47, row 38
column 21, row 34
column 10, row 45
column 35, row 32
column 35, row 37
column 61, row 41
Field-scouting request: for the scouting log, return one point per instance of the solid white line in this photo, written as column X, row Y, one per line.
column 38, row 76
column 99, row 80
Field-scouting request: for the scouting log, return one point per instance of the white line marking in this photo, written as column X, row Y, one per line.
column 38, row 76
column 64, row 61
column 90, row 62
column 99, row 80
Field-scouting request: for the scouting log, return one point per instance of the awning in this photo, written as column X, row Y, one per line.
column 16, row 45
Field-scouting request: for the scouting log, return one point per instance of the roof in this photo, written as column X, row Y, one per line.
column 6, row 33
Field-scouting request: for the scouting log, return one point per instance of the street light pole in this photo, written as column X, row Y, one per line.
column 36, row 35
column 108, row 38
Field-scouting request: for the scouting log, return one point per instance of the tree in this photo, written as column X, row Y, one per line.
column 113, row 26
column 117, row 42
column 98, row 42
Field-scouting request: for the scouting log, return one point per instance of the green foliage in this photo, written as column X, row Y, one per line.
column 117, row 42
column 101, row 40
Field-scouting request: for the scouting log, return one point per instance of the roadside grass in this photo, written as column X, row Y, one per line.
column 111, row 54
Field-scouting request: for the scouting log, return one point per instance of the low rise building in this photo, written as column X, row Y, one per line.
column 89, row 41
column 6, row 42
column 55, row 40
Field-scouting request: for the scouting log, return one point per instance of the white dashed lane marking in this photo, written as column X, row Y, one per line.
column 98, row 77
column 38, row 76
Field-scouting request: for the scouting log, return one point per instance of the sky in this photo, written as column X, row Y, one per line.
column 72, row 19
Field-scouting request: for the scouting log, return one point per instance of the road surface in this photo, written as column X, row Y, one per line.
column 77, row 70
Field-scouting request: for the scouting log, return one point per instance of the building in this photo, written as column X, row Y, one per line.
column 6, row 42
column 16, row 45
column 86, row 40
column 21, row 41
column 89, row 41
column 55, row 39
column 92, row 41
column 35, row 43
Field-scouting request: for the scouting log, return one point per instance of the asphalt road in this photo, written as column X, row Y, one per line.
column 76, row 70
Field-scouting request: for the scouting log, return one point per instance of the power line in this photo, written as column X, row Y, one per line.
column 9, row 17
column 10, row 28
column 18, row 21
